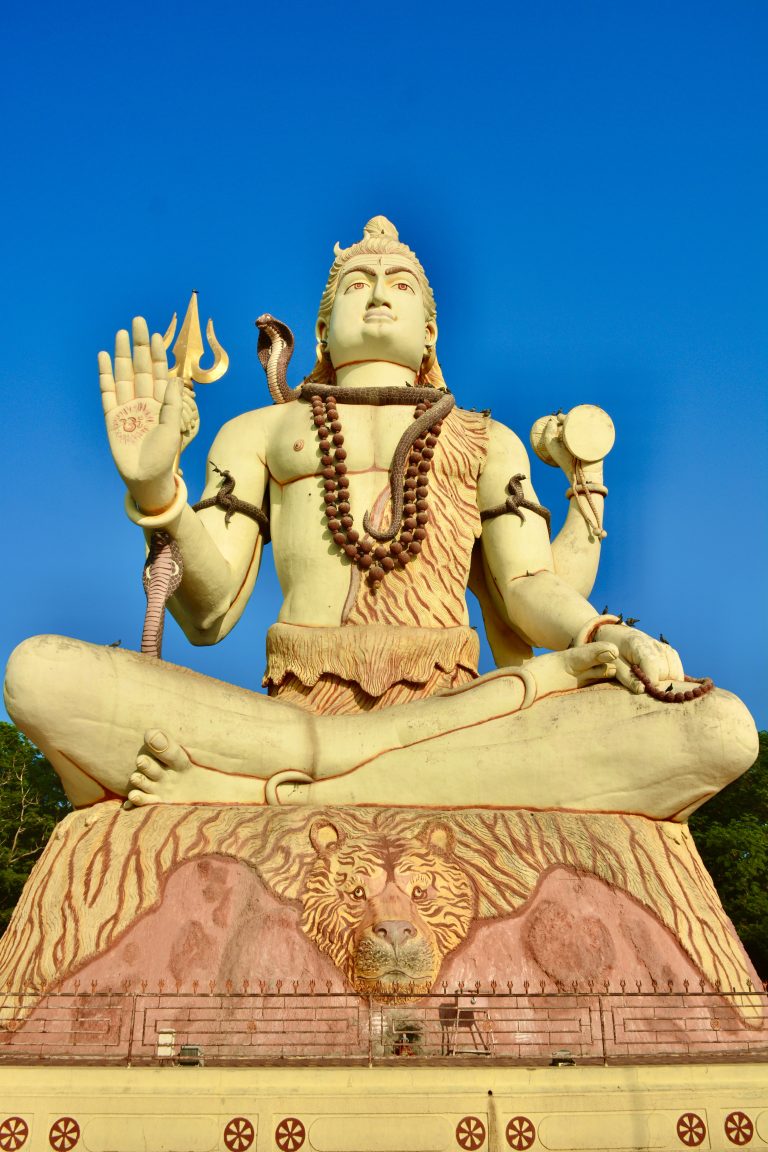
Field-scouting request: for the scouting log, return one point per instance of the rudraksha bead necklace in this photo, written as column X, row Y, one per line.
column 375, row 559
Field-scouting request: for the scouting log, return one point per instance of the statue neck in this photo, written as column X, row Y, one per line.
column 375, row 374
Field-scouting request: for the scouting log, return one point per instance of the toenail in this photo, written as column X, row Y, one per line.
column 159, row 742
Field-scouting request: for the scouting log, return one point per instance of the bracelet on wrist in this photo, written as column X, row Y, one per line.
column 588, row 486
column 586, row 634
column 158, row 519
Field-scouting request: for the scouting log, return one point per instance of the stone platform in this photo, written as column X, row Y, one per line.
column 477, row 1109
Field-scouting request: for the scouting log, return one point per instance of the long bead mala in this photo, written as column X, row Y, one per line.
column 375, row 559
column 665, row 696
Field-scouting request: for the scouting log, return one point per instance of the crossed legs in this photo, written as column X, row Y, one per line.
column 115, row 723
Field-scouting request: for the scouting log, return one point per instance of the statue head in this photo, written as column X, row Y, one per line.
column 380, row 239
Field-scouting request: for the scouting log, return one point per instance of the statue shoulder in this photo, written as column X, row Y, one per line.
column 505, row 447
column 252, row 432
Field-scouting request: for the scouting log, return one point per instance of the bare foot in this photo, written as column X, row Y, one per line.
column 166, row 775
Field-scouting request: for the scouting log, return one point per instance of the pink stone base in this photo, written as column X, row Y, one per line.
column 219, row 948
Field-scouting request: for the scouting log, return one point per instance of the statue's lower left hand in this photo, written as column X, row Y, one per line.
column 659, row 661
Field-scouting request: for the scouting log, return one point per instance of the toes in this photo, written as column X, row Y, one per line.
column 141, row 799
column 144, row 783
column 165, row 750
column 150, row 768
column 156, row 740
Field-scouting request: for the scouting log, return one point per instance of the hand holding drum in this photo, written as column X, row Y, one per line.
column 586, row 433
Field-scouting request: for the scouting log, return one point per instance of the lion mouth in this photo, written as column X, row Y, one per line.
column 395, row 974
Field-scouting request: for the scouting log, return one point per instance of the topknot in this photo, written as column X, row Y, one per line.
column 380, row 226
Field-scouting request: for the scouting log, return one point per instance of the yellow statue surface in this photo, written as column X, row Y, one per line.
column 383, row 502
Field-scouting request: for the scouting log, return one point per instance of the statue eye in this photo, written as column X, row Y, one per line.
column 357, row 284
column 358, row 893
column 403, row 286
column 418, row 893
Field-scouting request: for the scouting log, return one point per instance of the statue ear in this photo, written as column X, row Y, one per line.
column 439, row 837
column 325, row 837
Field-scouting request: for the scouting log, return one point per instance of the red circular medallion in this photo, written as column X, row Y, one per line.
column 290, row 1134
column 64, row 1134
column 520, row 1133
column 470, row 1133
column 13, row 1133
column 739, row 1128
column 238, row 1134
column 691, row 1129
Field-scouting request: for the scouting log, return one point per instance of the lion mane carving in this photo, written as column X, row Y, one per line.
column 387, row 910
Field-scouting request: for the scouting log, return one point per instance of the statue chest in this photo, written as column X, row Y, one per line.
column 370, row 437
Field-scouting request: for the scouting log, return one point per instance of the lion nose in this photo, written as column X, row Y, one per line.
column 395, row 932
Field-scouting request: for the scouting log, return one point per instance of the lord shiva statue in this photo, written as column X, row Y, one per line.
column 384, row 501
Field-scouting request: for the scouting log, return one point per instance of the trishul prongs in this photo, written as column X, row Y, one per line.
column 188, row 349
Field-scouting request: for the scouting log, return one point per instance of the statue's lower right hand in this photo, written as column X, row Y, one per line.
column 143, row 413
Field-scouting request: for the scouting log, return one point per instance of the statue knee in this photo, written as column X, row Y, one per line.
column 739, row 740
column 39, row 670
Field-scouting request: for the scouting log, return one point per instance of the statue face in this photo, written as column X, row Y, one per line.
column 378, row 314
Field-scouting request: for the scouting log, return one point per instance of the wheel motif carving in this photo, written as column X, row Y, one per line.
column 691, row 1129
column 13, row 1133
column 470, row 1133
column 521, row 1133
column 739, row 1128
column 290, row 1134
column 64, row 1134
column 238, row 1134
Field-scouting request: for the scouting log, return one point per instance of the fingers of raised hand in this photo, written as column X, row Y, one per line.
column 159, row 366
column 142, row 360
column 171, row 411
column 106, row 383
column 123, row 367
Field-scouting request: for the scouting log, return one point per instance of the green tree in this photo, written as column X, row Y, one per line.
column 731, row 833
column 32, row 802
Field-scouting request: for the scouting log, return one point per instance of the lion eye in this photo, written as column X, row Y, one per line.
column 418, row 893
column 358, row 893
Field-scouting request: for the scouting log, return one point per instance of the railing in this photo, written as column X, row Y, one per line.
column 466, row 1023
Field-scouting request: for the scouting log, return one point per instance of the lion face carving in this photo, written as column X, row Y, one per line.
column 386, row 910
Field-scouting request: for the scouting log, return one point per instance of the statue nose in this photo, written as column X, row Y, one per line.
column 395, row 932
column 379, row 295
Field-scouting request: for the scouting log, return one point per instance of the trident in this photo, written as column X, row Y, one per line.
column 188, row 352
column 188, row 349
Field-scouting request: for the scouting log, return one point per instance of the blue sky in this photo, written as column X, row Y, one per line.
column 585, row 184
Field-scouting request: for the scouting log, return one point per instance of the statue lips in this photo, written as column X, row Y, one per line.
column 383, row 313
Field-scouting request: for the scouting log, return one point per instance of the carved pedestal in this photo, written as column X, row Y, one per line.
column 349, row 932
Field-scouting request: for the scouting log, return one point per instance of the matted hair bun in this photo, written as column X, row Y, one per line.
column 380, row 226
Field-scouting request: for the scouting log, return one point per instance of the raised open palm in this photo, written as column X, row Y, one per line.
column 143, row 414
